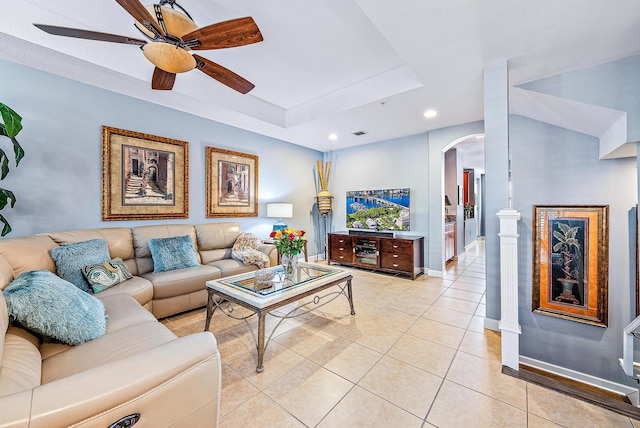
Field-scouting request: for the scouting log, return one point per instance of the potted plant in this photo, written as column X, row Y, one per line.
column 568, row 247
column 9, row 127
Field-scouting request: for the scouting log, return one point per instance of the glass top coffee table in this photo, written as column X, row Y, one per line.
column 262, row 298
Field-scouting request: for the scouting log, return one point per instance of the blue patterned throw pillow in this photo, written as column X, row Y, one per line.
column 71, row 258
column 173, row 253
column 49, row 305
column 105, row 275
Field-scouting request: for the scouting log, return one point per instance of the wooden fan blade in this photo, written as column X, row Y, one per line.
column 91, row 35
column 139, row 13
column 223, row 75
column 162, row 80
column 227, row 34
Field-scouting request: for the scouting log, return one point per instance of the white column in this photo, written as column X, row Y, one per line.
column 509, row 325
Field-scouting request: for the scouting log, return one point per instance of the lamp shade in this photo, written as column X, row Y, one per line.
column 279, row 210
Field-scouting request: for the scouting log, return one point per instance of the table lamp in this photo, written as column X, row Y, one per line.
column 279, row 210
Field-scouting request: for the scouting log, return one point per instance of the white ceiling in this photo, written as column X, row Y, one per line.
column 337, row 66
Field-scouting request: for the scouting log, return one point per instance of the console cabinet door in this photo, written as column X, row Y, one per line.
column 397, row 254
column 341, row 247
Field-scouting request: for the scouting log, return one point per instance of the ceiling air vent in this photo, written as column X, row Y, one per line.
column 359, row 133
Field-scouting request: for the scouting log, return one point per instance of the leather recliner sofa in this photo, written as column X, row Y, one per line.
column 138, row 369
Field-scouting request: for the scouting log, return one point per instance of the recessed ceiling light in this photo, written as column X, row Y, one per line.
column 333, row 137
column 430, row 113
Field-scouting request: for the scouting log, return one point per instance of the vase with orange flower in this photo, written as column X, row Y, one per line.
column 289, row 243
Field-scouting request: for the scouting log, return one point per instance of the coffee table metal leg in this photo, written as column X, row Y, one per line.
column 353, row 312
column 261, row 316
column 210, row 309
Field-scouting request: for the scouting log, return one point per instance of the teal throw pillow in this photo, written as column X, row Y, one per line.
column 105, row 275
column 173, row 253
column 71, row 258
column 49, row 305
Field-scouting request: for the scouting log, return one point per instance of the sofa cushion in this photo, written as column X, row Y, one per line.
column 124, row 342
column 105, row 275
column 21, row 366
column 216, row 239
column 71, row 258
column 142, row 234
column 51, row 306
column 230, row 267
column 182, row 281
column 177, row 252
column 141, row 289
column 28, row 253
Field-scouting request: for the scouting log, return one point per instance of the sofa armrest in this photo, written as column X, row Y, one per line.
column 271, row 251
column 164, row 384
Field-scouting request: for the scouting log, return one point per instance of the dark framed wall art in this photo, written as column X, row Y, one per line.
column 570, row 262
column 144, row 177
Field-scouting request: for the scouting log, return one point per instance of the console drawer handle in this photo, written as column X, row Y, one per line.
column 341, row 248
column 395, row 255
column 395, row 265
column 342, row 257
column 395, row 246
column 341, row 240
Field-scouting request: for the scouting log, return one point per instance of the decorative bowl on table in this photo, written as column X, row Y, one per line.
column 264, row 278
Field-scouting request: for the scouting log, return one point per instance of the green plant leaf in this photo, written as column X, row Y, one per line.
column 559, row 236
column 4, row 164
column 18, row 151
column 12, row 120
column 5, row 195
column 6, row 229
column 563, row 227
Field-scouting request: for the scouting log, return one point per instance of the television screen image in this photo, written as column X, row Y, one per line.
column 386, row 209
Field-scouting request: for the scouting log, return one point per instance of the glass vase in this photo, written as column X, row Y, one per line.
column 289, row 263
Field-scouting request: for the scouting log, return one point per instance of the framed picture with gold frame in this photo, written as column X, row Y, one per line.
column 144, row 177
column 232, row 183
column 570, row 262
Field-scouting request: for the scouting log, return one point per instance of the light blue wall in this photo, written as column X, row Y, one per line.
column 390, row 164
column 496, row 163
column 614, row 85
column 554, row 166
column 439, row 140
column 415, row 162
column 58, row 183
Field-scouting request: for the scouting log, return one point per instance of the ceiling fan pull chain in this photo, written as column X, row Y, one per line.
column 158, row 9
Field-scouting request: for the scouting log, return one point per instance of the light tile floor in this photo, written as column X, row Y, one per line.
column 416, row 354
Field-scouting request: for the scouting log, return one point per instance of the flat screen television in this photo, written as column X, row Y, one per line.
column 386, row 209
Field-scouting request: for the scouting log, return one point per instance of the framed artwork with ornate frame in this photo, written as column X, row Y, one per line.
column 232, row 183
column 570, row 262
column 144, row 177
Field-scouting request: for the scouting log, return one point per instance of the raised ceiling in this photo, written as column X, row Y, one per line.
column 337, row 66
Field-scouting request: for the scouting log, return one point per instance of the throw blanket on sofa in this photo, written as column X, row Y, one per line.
column 246, row 250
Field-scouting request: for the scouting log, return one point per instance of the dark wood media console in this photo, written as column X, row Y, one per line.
column 402, row 255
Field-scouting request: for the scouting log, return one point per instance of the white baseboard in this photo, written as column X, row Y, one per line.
column 491, row 324
column 435, row 273
column 584, row 378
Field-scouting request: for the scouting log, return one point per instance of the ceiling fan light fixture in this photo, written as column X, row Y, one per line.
column 176, row 22
column 169, row 57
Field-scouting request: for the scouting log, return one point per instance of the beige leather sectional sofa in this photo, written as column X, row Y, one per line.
column 138, row 366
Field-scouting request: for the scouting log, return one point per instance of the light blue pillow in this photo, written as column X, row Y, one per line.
column 49, row 305
column 173, row 253
column 71, row 258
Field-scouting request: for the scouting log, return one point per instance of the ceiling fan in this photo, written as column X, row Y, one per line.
column 172, row 35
